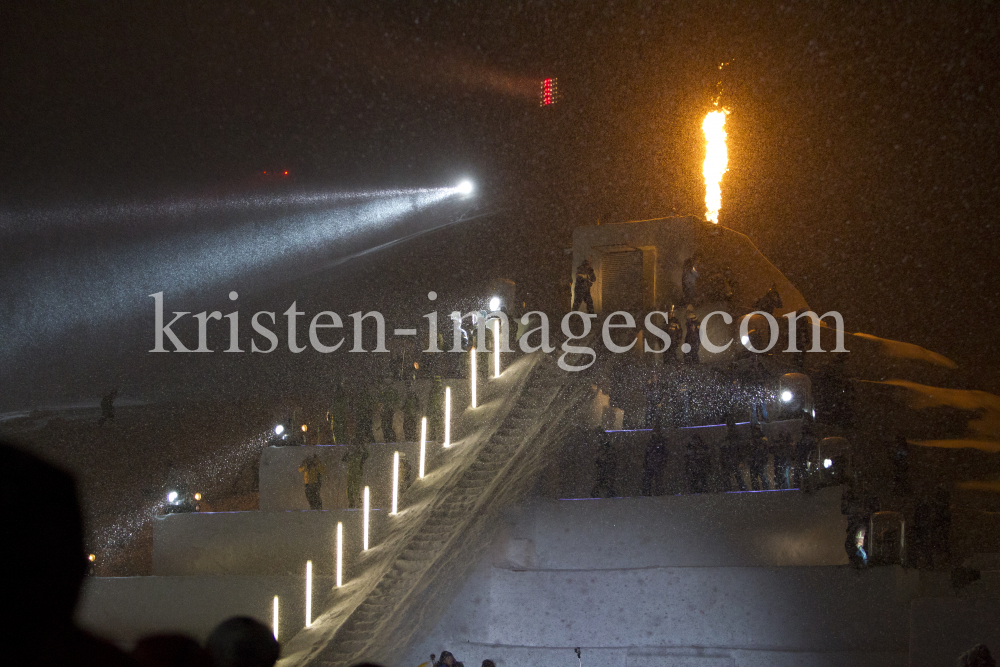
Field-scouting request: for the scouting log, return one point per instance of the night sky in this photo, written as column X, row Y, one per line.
column 863, row 140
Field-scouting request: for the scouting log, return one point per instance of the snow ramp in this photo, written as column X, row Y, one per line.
column 402, row 586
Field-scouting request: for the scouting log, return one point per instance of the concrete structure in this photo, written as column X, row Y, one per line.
column 281, row 484
column 259, row 543
column 126, row 609
column 741, row 580
column 639, row 265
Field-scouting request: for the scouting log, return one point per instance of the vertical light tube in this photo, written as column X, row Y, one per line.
column 364, row 527
column 274, row 617
column 395, row 483
column 447, row 416
column 340, row 554
column 423, row 444
column 472, row 375
column 496, row 348
column 309, row 593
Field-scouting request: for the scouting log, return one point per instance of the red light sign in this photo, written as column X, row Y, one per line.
column 550, row 92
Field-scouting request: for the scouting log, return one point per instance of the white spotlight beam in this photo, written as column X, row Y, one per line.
column 274, row 617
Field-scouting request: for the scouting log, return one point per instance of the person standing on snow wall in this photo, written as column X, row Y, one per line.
column 355, row 457
column 585, row 279
column 312, row 470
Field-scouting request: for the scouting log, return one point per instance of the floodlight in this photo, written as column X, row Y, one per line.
column 464, row 188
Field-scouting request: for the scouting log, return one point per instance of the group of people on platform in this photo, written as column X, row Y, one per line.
column 741, row 463
column 369, row 414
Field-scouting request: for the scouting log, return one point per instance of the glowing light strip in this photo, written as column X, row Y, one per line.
column 447, row 416
column 340, row 554
column 496, row 348
column 395, row 484
column 309, row 593
column 423, row 445
column 472, row 374
column 274, row 617
column 364, row 528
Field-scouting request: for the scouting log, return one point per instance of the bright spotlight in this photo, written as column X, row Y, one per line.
column 494, row 304
column 279, row 429
column 464, row 188
column 827, row 463
column 786, row 396
column 172, row 496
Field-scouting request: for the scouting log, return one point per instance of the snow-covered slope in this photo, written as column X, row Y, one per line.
column 404, row 583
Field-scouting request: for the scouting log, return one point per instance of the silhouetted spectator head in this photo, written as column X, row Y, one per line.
column 489, row 663
column 977, row 656
column 447, row 658
column 43, row 545
column 43, row 537
column 170, row 651
column 242, row 642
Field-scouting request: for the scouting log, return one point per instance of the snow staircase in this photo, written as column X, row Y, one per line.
column 402, row 592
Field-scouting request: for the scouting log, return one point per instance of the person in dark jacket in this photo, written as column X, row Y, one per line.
column 689, row 281
column 337, row 416
column 607, row 466
column 693, row 339
column 585, row 279
column 784, row 455
column 108, row 408
column 390, row 398
column 696, row 462
column 355, row 457
column 435, row 411
column 411, row 414
column 655, row 463
column 732, row 476
column 676, row 334
column 759, row 461
column 312, row 470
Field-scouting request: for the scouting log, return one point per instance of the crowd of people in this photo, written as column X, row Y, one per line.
column 367, row 414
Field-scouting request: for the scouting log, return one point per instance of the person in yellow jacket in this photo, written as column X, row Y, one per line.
column 312, row 470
